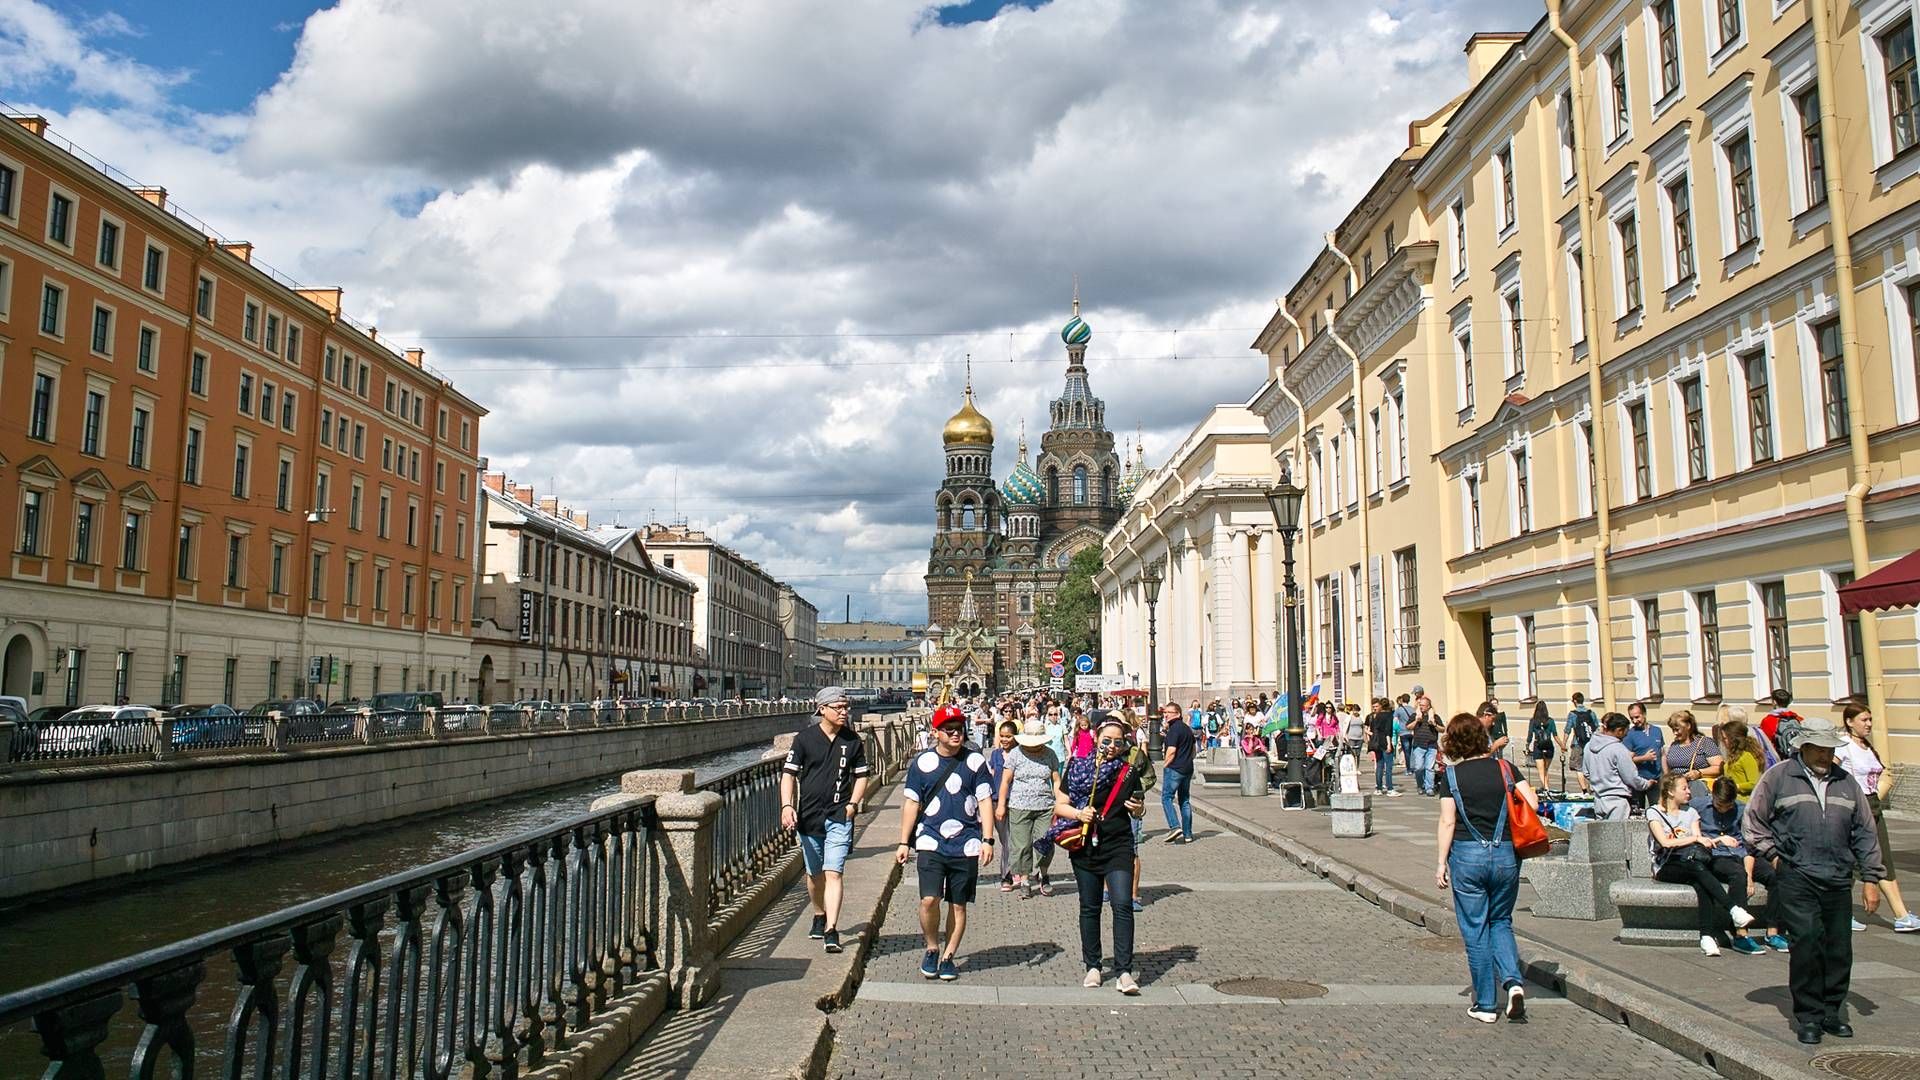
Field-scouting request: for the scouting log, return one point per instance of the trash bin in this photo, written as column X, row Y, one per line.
column 1253, row 775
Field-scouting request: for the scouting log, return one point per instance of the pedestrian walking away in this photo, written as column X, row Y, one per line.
column 949, row 795
column 1542, row 736
column 1810, row 818
column 1178, row 742
column 1102, row 793
column 822, row 785
column 1580, row 729
column 1025, row 802
column 1481, row 867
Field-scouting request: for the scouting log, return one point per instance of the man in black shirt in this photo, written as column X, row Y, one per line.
column 821, row 787
column 1177, row 737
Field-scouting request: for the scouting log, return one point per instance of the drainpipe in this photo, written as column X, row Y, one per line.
column 1840, row 236
column 1590, row 316
column 1367, row 659
column 170, row 544
column 1306, row 535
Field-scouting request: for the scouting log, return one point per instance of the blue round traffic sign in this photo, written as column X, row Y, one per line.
column 1058, row 670
column 1083, row 664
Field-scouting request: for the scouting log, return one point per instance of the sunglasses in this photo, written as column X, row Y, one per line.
column 1111, row 742
column 953, row 729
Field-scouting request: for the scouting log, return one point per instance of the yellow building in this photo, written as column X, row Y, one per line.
column 1630, row 390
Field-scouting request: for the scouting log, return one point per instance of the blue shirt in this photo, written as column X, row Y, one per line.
column 1640, row 740
column 951, row 823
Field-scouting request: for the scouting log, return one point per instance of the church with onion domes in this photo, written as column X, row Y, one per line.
column 1001, row 548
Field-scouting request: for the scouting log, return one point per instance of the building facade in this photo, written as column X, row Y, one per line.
column 1610, row 383
column 884, row 665
column 738, row 645
column 211, row 478
column 807, row 669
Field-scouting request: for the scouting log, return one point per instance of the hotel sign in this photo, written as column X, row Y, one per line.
column 526, row 614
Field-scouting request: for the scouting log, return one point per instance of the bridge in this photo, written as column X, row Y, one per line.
column 663, row 932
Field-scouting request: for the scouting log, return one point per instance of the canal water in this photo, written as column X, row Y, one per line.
column 44, row 940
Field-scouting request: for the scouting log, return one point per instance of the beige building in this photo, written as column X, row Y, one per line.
column 807, row 669
column 738, row 645
column 883, row 664
column 1609, row 383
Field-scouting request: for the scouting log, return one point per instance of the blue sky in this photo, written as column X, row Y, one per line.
column 229, row 50
column 981, row 10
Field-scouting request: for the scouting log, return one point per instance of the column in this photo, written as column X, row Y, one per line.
column 1196, row 617
column 1260, row 555
column 1244, row 604
column 1227, row 595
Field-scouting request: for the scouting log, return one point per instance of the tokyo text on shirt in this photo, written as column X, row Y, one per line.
column 951, row 822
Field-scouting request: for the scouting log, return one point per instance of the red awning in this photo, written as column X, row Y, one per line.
column 1894, row 585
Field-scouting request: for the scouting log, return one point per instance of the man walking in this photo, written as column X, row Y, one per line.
column 1810, row 819
column 821, row 787
column 949, row 793
column 1177, row 740
column 1610, row 772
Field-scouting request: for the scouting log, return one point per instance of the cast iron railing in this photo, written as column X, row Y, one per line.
column 747, row 836
column 478, row 965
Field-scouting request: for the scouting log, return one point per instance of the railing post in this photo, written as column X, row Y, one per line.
column 432, row 724
column 275, row 729
column 70, row 1036
column 7, row 730
column 163, row 738
column 364, row 727
column 684, row 848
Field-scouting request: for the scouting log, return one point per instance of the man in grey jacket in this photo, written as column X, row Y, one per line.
column 1810, row 820
column 1610, row 770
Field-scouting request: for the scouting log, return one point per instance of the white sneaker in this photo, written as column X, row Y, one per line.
column 1126, row 985
column 1907, row 924
column 1708, row 945
column 1742, row 918
column 1516, row 1004
column 1483, row 1017
column 1092, row 981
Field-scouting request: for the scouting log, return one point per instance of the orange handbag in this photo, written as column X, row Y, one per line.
column 1529, row 833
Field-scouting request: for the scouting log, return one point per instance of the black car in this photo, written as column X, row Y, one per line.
column 201, row 725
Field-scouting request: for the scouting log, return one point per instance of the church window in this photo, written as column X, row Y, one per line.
column 966, row 516
column 1080, row 485
column 1053, row 485
column 1106, row 486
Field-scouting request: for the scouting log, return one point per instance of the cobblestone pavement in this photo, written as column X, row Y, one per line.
column 1395, row 1005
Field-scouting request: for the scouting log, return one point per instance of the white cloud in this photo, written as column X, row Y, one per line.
column 38, row 45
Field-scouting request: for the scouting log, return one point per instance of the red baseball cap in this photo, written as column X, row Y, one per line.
column 946, row 714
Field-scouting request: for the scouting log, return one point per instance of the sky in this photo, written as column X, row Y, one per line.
column 728, row 260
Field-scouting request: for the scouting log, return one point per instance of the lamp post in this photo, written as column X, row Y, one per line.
column 1285, row 499
column 1150, row 580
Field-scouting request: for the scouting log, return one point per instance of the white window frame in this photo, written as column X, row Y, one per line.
column 1660, row 97
column 1512, row 317
column 1836, row 638
column 1897, row 286
column 1563, row 138
column 1795, row 72
column 1463, row 384
column 166, row 257
column 1642, row 668
column 1729, row 117
column 1689, row 368
column 73, row 219
column 1753, row 340
column 1621, row 199
column 1572, row 248
column 1672, row 164
column 1583, row 461
column 1695, row 648
column 1615, row 133
column 118, row 267
column 1519, row 455
column 1629, row 489
column 1504, row 178
column 1813, row 404
column 1590, row 618
column 1876, row 17
column 1457, row 236
column 1470, row 478
column 1720, row 49
column 11, row 217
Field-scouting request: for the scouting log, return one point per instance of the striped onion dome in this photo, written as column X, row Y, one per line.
column 1023, row 487
column 1076, row 332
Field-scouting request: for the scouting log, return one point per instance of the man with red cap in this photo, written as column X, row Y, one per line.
column 949, row 793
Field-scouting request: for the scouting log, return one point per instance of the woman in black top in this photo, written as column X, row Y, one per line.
column 1540, row 737
column 1477, row 862
column 1105, row 860
column 1380, row 745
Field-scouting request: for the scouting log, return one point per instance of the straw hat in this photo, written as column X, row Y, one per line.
column 1032, row 733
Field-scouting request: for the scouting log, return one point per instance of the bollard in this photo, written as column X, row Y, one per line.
column 683, row 849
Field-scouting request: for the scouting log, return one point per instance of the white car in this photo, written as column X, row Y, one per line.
column 94, row 730
column 460, row 717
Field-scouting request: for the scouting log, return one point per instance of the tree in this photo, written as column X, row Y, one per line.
column 1064, row 622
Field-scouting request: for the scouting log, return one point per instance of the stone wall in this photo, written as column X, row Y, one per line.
column 88, row 822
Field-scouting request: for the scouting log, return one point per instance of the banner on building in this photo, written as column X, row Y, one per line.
column 526, row 614
column 1377, row 626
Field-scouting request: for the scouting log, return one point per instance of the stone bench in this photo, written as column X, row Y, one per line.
column 1578, row 884
column 1217, row 768
column 1656, row 912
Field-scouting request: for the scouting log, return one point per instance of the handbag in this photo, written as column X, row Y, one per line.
column 1070, row 835
column 1662, row 855
column 1528, row 832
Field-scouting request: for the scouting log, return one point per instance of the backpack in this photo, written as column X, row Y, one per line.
column 1580, row 725
column 1787, row 731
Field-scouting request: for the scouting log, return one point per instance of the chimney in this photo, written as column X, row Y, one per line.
column 416, row 357
column 550, row 505
column 524, row 493
column 495, row 481
column 578, row 517
column 35, row 124
column 373, row 333
column 327, row 300
column 240, row 250
column 1485, row 50
column 155, row 195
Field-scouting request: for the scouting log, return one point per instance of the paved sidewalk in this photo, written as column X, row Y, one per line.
column 1391, row 997
column 1747, row 991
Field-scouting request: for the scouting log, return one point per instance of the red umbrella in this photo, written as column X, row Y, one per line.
column 1130, row 692
column 1894, row 585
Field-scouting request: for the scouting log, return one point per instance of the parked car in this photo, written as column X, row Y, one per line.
column 100, row 729
column 201, row 725
column 45, row 713
column 460, row 717
column 256, row 717
column 409, row 701
column 13, row 708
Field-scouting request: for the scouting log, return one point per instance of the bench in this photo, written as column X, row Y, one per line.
column 1579, row 883
column 1217, row 768
column 1655, row 912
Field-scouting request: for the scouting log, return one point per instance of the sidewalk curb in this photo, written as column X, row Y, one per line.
column 1671, row 1022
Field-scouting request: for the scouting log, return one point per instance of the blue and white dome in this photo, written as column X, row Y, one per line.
column 1076, row 332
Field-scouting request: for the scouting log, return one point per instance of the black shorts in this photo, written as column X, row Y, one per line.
column 1541, row 755
column 947, row 877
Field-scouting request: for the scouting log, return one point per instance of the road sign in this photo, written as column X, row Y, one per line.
column 316, row 669
column 1057, row 683
column 1057, row 657
column 1083, row 664
column 1057, row 670
column 1090, row 684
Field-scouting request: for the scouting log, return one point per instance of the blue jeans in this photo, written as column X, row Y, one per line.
column 1383, row 772
column 1486, row 881
column 1422, row 767
column 1173, row 792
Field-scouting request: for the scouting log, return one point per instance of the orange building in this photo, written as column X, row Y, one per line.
column 209, row 476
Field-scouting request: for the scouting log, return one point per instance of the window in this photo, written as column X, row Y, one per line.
column 317, row 578
column 1773, row 604
column 1080, row 485
column 83, row 532
column 1406, row 655
column 353, row 583
column 283, row 484
column 361, row 387
column 1628, row 230
column 1680, row 212
column 360, row 442
column 9, row 184
column 466, row 434
column 1740, row 180
column 1400, row 432
column 269, row 400
column 1569, row 164
column 40, row 418
column 273, row 333
column 130, row 541
column 236, row 558
column 137, row 444
column 273, row 679
column 246, row 394
column 1667, row 34
column 1463, row 355
column 390, row 395
column 1530, row 660
column 322, row 489
column 386, row 454
column 380, row 524
column 1853, row 642
column 1650, row 647
column 1576, row 304
column 109, row 255
column 287, row 409
column 227, row 681
column 1585, row 463
column 197, row 379
column 52, row 300
column 60, row 221
column 1812, row 149
column 1459, row 213
column 1522, row 492
column 1642, row 453
column 102, row 342
column 1903, row 83
column 340, row 437
column 1503, row 165
column 1473, row 514
column 327, row 360
column 1693, row 408
column 1616, row 62
column 1759, row 406
column 240, row 471
column 145, row 355
column 31, row 508
column 1708, row 607
column 1833, row 381
column 122, row 672
column 1377, row 467
column 153, row 273
column 203, row 297
column 1516, row 348
column 250, row 322
column 90, row 426
column 326, row 427
column 6, row 288
column 353, row 506
column 183, row 557
column 293, row 344
column 1730, row 27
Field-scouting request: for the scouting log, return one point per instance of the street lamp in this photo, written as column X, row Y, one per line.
column 1150, row 580
column 1285, row 499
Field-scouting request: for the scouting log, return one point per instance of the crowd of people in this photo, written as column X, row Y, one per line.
column 1790, row 803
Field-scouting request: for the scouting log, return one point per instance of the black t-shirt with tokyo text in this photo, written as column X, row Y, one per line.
column 826, row 771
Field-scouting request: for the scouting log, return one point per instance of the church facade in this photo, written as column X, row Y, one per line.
column 1001, row 548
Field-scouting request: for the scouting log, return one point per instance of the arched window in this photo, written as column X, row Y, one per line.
column 966, row 516
column 1080, row 485
column 1053, row 485
column 1078, row 415
column 946, row 517
column 1106, row 486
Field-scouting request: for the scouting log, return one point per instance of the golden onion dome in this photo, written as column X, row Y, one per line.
column 968, row 427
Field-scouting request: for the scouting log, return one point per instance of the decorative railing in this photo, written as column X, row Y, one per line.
column 477, row 965
column 747, row 836
column 79, row 740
